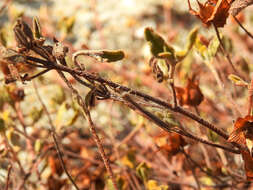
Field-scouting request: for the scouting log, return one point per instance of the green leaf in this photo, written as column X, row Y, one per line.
column 214, row 137
column 37, row 145
column 213, row 48
column 66, row 116
column 3, row 37
column 36, row 114
column 143, row 171
column 129, row 159
column 36, row 28
column 66, row 24
column 57, row 95
column 207, row 180
column 157, row 43
column 14, row 138
column 237, row 80
column 112, row 55
column 2, row 126
column 110, row 185
column 153, row 185
column 207, row 54
column 191, row 39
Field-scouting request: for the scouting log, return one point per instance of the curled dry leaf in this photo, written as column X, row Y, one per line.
column 170, row 143
column 212, row 12
column 156, row 70
column 243, row 134
column 191, row 95
column 243, row 128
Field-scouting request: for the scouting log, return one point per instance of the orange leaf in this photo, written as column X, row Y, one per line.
column 213, row 11
column 191, row 95
column 241, row 130
column 170, row 143
column 248, row 164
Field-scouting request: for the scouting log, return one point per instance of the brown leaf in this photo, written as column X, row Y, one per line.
column 55, row 165
column 248, row 164
column 213, row 11
column 170, row 143
column 191, row 95
column 54, row 183
column 242, row 130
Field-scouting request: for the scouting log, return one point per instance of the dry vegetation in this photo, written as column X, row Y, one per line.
column 121, row 95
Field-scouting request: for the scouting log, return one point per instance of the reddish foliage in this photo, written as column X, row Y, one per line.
column 191, row 95
column 170, row 143
column 212, row 12
column 242, row 131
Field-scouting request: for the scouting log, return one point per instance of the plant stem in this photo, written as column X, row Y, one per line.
column 224, row 50
column 244, row 29
column 54, row 135
column 93, row 130
column 168, row 128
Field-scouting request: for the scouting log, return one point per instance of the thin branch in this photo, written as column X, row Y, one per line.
column 250, row 103
column 146, row 97
column 174, row 94
column 168, row 128
column 14, row 154
column 4, row 5
column 244, row 29
column 53, row 133
column 93, row 130
column 8, row 177
column 224, row 50
column 28, row 78
column 192, row 169
column 201, row 169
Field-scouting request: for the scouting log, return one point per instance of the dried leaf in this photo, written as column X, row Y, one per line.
column 248, row 165
column 90, row 99
column 55, row 165
column 169, row 143
column 190, row 95
column 242, row 130
column 212, row 12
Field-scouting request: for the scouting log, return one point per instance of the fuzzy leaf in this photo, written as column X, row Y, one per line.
column 157, row 43
column 112, row 55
